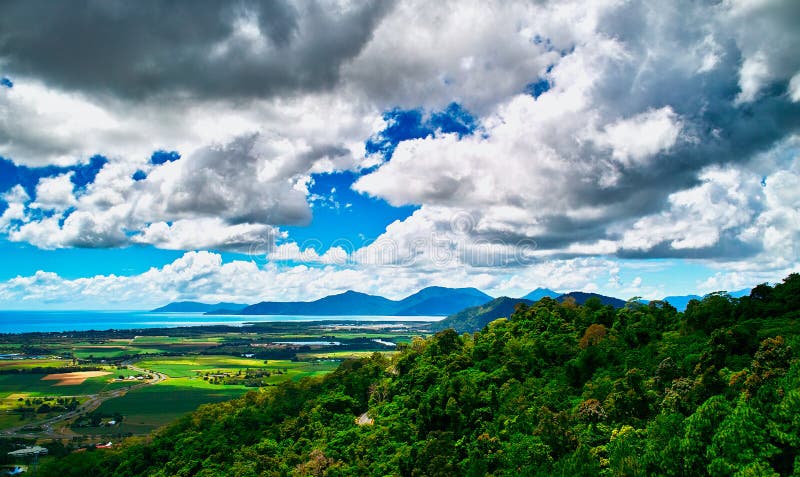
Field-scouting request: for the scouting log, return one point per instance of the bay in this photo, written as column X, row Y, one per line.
column 63, row 321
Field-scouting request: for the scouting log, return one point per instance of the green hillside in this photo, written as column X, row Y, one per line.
column 557, row 389
column 476, row 317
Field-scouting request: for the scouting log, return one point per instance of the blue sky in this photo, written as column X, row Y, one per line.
column 548, row 145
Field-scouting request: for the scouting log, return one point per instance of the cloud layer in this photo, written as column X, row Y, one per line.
column 616, row 129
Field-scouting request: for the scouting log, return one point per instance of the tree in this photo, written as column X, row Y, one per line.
column 741, row 440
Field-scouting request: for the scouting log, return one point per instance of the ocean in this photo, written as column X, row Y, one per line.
column 58, row 321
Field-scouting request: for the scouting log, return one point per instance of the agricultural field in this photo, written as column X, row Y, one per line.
column 8, row 365
column 93, row 373
column 198, row 367
column 151, row 407
column 189, row 386
column 61, row 384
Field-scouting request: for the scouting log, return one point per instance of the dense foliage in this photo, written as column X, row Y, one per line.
column 557, row 389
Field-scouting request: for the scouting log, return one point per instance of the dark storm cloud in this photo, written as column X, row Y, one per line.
column 138, row 49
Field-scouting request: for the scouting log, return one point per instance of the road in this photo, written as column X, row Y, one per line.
column 58, row 427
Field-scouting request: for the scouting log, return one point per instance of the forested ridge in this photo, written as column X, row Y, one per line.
column 556, row 389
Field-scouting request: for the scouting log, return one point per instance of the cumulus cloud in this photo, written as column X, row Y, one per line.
column 641, row 137
column 613, row 128
column 290, row 251
column 55, row 193
column 626, row 129
column 15, row 200
column 253, row 176
column 205, row 234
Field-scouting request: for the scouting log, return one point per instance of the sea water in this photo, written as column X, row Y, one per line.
column 62, row 321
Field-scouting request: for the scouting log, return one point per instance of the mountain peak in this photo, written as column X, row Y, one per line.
column 540, row 293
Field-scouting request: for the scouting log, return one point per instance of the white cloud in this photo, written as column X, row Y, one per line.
column 697, row 217
column 205, row 234
column 15, row 198
column 642, row 136
column 247, row 185
column 794, row 88
column 55, row 193
column 753, row 76
column 290, row 251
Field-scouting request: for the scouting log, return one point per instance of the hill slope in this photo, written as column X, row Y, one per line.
column 475, row 318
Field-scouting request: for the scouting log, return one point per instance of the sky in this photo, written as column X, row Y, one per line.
column 245, row 151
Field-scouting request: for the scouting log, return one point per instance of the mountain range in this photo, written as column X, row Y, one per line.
column 434, row 301
column 430, row 301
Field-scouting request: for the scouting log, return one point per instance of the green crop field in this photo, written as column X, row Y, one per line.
column 172, row 340
column 150, row 407
column 190, row 366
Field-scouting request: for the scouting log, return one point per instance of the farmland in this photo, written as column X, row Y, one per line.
column 113, row 384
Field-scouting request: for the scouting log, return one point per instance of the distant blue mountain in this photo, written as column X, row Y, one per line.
column 440, row 301
column 581, row 297
column 540, row 293
column 434, row 301
column 347, row 303
column 196, row 307
column 680, row 302
column 740, row 293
